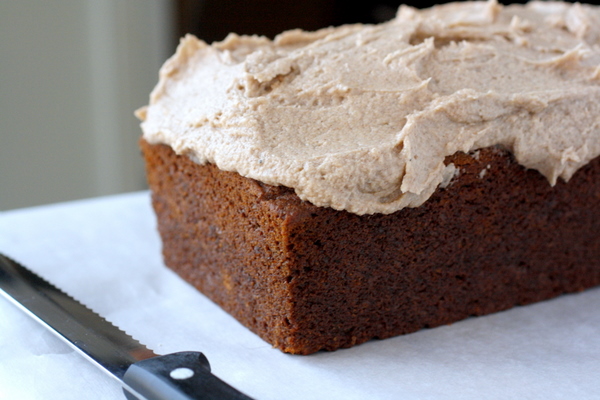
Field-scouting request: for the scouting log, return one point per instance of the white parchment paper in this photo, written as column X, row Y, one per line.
column 106, row 253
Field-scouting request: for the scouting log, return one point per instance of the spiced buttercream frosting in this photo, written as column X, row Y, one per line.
column 362, row 117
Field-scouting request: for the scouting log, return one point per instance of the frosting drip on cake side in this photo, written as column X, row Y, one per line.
column 361, row 117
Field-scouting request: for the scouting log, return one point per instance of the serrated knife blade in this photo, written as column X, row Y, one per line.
column 143, row 374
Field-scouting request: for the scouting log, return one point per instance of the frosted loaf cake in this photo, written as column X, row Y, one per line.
column 330, row 187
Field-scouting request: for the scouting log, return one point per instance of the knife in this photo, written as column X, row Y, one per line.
column 143, row 374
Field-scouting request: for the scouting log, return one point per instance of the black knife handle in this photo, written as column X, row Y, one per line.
column 177, row 376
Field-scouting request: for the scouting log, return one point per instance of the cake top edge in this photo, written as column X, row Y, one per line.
column 362, row 117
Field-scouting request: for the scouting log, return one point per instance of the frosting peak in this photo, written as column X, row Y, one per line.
column 361, row 117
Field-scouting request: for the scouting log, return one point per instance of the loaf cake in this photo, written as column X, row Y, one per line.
column 364, row 181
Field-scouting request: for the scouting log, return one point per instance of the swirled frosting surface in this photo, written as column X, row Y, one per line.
column 361, row 117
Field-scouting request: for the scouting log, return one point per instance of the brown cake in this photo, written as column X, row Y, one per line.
column 307, row 278
column 454, row 204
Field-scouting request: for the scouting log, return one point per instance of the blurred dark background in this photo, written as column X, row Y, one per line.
column 212, row 20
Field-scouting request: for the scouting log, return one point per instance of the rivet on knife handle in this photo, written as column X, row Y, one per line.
column 143, row 374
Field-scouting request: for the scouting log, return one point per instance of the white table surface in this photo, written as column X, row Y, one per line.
column 106, row 253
